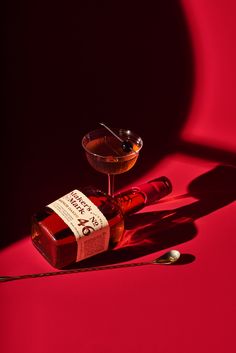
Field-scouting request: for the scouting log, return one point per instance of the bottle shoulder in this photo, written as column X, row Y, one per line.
column 105, row 203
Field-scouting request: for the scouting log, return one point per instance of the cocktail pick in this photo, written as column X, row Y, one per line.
column 127, row 146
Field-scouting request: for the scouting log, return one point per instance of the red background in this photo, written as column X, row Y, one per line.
column 187, row 307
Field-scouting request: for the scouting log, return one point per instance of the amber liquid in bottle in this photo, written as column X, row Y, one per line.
column 56, row 241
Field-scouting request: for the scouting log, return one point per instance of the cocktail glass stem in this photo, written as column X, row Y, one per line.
column 111, row 182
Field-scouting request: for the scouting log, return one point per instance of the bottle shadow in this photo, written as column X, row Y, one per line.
column 150, row 232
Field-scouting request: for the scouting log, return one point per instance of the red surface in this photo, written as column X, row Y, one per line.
column 145, row 309
column 212, row 118
column 185, row 308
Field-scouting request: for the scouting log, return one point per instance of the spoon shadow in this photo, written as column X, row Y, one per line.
column 185, row 259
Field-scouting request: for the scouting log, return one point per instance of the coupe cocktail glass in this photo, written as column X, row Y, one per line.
column 105, row 154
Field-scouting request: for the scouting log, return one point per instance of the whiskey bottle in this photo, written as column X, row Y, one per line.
column 82, row 224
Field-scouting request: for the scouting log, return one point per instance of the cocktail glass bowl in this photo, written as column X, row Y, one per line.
column 105, row 154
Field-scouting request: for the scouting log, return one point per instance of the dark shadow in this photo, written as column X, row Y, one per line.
column 149, row 232
column 143, row 240
column 207, row 152
column 71, row 65
column 185, row 259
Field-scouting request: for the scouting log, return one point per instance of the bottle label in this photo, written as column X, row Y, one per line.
column 86, row 221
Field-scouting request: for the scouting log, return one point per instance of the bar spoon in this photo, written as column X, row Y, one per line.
column 168, row 258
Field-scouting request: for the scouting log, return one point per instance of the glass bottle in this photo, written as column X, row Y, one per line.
column 82, row 224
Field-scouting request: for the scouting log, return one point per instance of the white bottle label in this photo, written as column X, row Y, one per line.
column 86, row 221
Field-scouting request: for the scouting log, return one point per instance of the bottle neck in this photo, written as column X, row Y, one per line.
column 136, row 198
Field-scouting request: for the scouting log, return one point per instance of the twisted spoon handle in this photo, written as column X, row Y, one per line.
column 66, row 272
column 168, row 258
